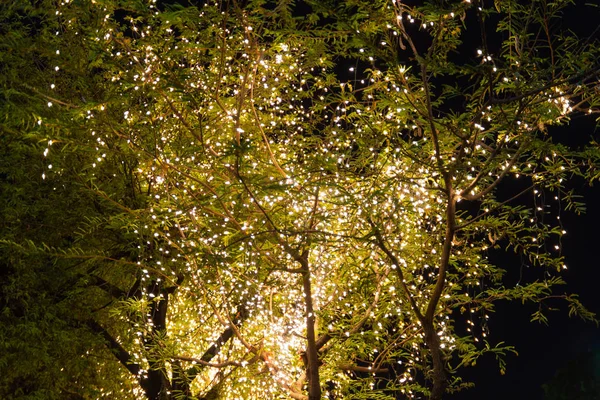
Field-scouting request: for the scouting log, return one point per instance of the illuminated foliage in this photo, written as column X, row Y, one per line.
column 254, row 225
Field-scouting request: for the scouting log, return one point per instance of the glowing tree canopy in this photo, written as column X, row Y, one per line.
column 262, row 200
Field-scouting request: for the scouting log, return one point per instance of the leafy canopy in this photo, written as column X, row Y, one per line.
column 275, row 200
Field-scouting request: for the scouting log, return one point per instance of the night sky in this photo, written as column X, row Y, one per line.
column 565, row 343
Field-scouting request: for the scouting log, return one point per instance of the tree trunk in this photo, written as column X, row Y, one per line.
column 312, row 364
column 439, row 372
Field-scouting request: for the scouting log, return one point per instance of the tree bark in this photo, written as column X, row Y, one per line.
column 440, row 380
column 312, row 357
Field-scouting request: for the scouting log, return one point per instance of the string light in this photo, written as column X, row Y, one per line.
column 252, row 155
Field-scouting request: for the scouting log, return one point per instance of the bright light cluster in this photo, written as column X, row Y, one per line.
column 259, row 168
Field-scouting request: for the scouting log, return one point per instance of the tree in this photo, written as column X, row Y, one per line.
column 577, row 379
column 259, row 227
column 51, row 290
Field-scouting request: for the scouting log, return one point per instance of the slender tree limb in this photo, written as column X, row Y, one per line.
column 474, row 197
column 52, row 99
column 478, row 217
column 357, row 368
column 582, row 76
column 119, row 351
column 380, row 242
column 259, row 124
column 230, row 363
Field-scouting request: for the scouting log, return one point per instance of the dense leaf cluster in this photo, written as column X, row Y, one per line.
column 277, row 200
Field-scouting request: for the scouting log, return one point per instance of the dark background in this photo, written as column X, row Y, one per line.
column 566, row 352
column 544, row 351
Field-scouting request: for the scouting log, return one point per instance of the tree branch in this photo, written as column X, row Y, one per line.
column 122, row 355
